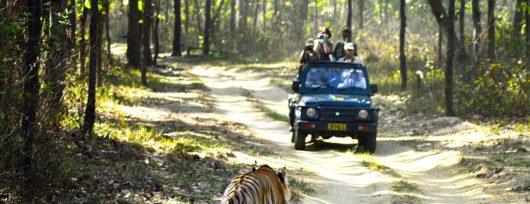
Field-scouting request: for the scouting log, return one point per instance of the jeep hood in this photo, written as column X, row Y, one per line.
column 335, row 100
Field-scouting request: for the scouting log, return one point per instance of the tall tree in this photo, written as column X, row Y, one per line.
column 31, row 86
column 264, row 14
column 57, row 58
column 82, row 40
column 256, row 12
column 207, row 25
column 107, row 28
column 147, row 25
column 491, row 29
column 477, row 33
column 402, row 57
column 361, row 14
column 350, row 16
column 517, row 20
column 243, row 14
column 157, row 22
column 187, row 16
column 440, row 43
column 232, row 15
column 450, row 58
column 386, row 11
column 72, row 17
column 461, row 21
column 90, row 113
column 527, row 29
column 177, row 51
column 134, row 36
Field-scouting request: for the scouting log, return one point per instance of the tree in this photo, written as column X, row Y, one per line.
column 232, row 15
column 147, row 25
column 207, row 25
column 57, row 56
column 402, row 57
column 461, row 21
column 107, row 28
column 90, row 113
column 477, row 33
column 449, row 110
column 134, row 36
column 517, row 20
column 157, row 22
column 177, row 51
column 243, row 14
column 350, row 16
column 361, row 15
column 31, row 86
column 82, row 41
column 187, row 16
column 491, row 29
column 527, row 28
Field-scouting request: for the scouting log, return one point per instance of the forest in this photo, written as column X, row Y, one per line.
column 75, row 74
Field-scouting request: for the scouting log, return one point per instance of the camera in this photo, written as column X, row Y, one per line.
column 322, row 35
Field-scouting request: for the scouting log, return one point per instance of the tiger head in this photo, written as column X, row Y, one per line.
column 282, row 175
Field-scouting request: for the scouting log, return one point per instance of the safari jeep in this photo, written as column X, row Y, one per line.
column 333, row 99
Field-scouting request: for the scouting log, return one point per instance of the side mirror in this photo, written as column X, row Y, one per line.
column 296, row 86
column 374, row 88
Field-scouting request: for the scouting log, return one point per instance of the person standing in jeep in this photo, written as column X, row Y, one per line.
column 324, row 45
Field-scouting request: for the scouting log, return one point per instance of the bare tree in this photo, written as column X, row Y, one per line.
column 207, row 25
column 402, row 57
column 177, row 51
column 491, row 29
column 449, row 110
column 90, row 113
column 148, row 21
column 477, row 34
column 31, row 86
column 134, row 36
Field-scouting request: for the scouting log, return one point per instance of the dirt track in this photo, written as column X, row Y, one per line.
column 340, row 176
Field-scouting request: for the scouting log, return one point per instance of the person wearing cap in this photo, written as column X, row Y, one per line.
column 339, row 51
column 350, row 54
column 308, row 55
column 324, row 46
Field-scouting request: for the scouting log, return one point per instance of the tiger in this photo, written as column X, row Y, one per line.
column 262, row 185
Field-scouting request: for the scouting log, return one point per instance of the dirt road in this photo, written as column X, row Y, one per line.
column 394, row 173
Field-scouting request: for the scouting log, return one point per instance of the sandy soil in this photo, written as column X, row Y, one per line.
column 339, row 175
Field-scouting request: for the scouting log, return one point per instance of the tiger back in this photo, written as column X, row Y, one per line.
column 261, row 186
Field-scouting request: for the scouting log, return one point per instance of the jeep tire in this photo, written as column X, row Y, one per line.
column 299, row 140
column 368, row 141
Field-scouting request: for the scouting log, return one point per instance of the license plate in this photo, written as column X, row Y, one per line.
column 337, row 127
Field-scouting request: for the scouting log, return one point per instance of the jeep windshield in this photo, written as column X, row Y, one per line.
column 335, row 77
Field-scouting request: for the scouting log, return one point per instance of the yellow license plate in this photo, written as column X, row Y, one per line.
column 337, row 127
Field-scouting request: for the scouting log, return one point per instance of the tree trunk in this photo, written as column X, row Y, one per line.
column 264, row 15
column 187, row 15
column 255, row 20
column 462, row 23
column 99, row 42
column 90, row 114
column 232, row 15
column 476, row 35
column 402, row 57
column 361, row 15
column 380, row 6
column 350, row 16
column 157, row 42
column 517, row 21
column 442, row 19
column 177, row 51
column 198, row 16
column 315, row 18
column 491, row 30
column 107, row 28
column 134, row 36
column 82, row 41
column 57, row 57
column 243, row 10
column 148, row 21
column 207, row 25
column 72, row 29
column 449, row 66
column 527, row 28
column 440, row 43
column 31, row 86
column 386, row 11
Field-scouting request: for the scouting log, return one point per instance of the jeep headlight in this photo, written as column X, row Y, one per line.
column 311, row 112
column 363, row 114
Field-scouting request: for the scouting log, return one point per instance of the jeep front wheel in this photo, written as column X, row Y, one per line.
column 299, row 140
column 368, row 141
